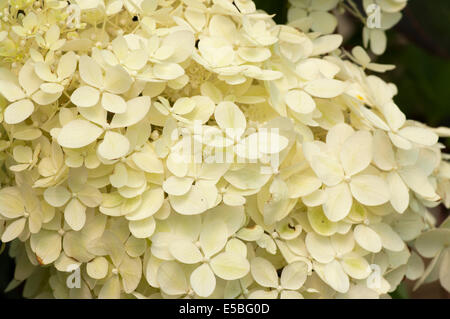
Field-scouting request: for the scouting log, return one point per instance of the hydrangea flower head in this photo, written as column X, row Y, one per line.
column 195, row 148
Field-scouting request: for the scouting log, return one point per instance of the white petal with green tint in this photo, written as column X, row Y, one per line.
column 90, row 71
column 11, row 203
column 23, row 154
column 117, row 79
column 183, row 106
column 270, row 141
column 367, row 238
column 249, row 177
column 370, row 190
column 137, row 109
column 419, row 135
column 111, row 289
column 52, row 88
column 399, row 192
column 113, row 103
column 143, row 228
column 300, row 101
column 230, row 118
column 67, row 65
column 294, row 275
column 416, row 267
column 303, row 184
column 113, row 146
column 28, row 78
column 213, row 237
column 254, row 54
column 327, row 168
column 11, row 91
column 192, row 203
column 18, row 111
column 172, row 278
column 230, row 265
column 235, row 245
column 264, row 272
column 430, row 243
column 319, row 247
column 378, row 41
column 13, row 230
column 168, row 71
column 233, row 217
column 78, row 133
column 43, row 71
column 355, row 266
column 325, row 88
column 185, row 252
column 384, row 156
column 75, row 214
column 97, row 268
column 320, row 223
column 57, row 196
column 327, row 43
column 131, row 272
column 343, row 243
column 389, row 238
column 90, row 196
column 85, row 96
column 416, row 180
column 338, row 202
column 335, row 276
column 177, row 185
column 203, row 281
column 152, row 200
column 356, row 152
column 323, row 22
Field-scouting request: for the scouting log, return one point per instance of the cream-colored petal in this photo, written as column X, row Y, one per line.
column 18, row 111
column 203, row 281
column 367, row 238
column 78, row 133
column 230, row 265
column 113, row 146
column 75, row 214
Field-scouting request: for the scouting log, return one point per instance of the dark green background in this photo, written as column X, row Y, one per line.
column 419, row 46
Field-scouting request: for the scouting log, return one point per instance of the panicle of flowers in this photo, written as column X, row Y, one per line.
column 195, row 148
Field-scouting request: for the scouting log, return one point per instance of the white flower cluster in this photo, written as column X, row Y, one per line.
column 377, row 17
column 325, row 190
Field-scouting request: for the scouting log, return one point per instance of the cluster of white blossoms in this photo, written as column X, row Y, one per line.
column 377, row 16
column 325, row 190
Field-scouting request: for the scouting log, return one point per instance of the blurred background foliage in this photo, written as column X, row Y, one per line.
column 420, row 48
